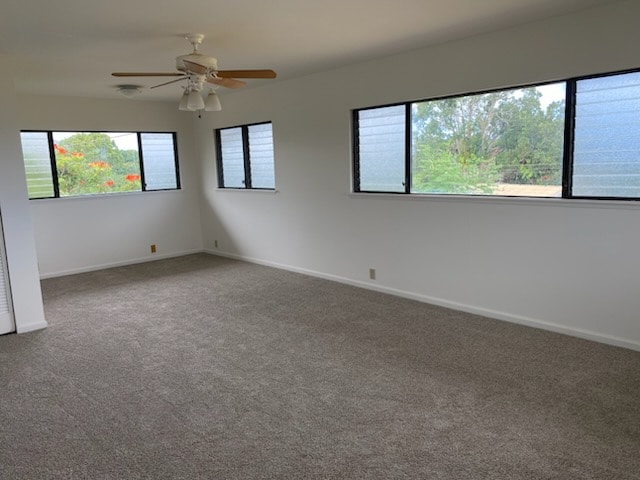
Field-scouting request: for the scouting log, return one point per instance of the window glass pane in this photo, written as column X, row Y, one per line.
column 606, row 160
column 508, row 142
column 232, row 157
column 37, row 164
column 261, row 156
column 159, row 161
column 381, row 147
column 95, row 163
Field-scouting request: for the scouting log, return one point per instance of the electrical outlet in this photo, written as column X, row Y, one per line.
column 215, row 243
column 372, row 273
column 153, row 248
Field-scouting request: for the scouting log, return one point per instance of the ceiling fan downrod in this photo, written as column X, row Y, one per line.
column 195, row 39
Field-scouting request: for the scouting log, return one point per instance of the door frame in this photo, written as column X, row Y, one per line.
column 7, row 322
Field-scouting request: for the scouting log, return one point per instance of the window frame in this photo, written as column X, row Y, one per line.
column 567, row 153
column 247, row 182
column 174, row 137
column 143, row 185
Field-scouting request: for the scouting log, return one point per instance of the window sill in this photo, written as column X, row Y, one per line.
column 249, row 190
column 498, row 200
column 75, row 198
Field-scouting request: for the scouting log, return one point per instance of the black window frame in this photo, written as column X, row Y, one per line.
column 568, row 148
column 247, row 182
column 143, row 185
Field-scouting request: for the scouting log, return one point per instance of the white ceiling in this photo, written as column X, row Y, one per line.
column 70, row 47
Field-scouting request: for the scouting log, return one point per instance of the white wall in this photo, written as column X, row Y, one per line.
column 79, row 234
column 564, row 265
column 18, row 231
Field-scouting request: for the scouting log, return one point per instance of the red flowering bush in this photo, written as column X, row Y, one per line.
column 92, row 163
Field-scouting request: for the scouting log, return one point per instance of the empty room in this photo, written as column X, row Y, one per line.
column 338, row 240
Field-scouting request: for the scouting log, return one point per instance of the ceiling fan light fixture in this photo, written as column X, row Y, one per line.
column 213, row 102
column 129, row 91
column 184, row 102
column 194, row 101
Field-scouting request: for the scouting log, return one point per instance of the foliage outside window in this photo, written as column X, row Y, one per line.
column 245, row 157
column 66, row 164
column 511, row 142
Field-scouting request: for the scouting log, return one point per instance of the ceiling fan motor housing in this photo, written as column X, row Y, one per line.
column 210, row 63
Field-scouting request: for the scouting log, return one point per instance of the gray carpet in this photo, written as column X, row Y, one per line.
column 202, row 367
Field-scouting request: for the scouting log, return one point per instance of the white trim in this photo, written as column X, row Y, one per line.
column 30, row 327
column 499, row 199
column 498, row 315
column 123, row 263
column 7, row 322
column 270, row 191
column 102, row 196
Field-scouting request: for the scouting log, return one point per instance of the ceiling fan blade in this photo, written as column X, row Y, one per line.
column 195, row 67
column 246, row 73
column 169, row 82
column 142, row 74
column 227, row 82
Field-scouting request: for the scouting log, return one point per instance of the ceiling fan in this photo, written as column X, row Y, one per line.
column 199, row 70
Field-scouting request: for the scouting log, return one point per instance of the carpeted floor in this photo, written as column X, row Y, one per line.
column 202, row 367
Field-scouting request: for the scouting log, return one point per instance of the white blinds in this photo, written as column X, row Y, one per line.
column 6, row 317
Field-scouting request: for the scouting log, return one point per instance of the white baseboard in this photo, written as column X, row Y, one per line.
column 498, row 315
column 92, row 268
column 30, row 327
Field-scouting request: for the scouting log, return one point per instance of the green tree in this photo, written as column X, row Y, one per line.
column 531, row 139
column 442, row 172
column 95, row 147
column 455, row 144
column 477, row 141
column 465, row 126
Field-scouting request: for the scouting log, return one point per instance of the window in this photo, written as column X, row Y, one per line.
column 160, row 165
column 245, row 157
column 67, row 164
column 574, row 139
column 606, row 150
column 381, row 149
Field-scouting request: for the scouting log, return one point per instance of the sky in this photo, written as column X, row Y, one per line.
column 124, row 140
column 551, row 93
